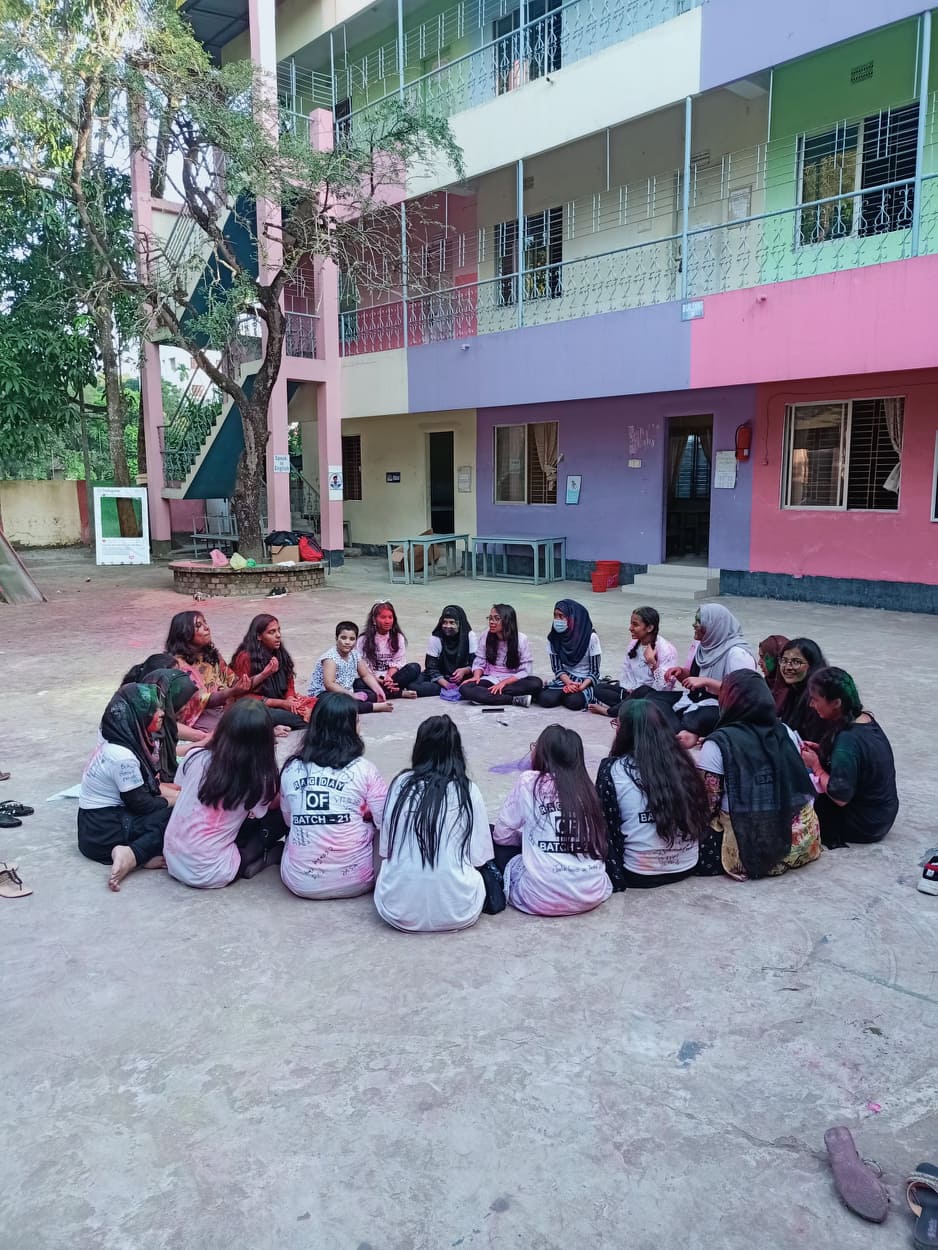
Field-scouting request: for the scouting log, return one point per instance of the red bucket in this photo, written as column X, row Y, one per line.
column 611, row 570
column 600, row 582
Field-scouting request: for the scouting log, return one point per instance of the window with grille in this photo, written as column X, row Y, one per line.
column 521, row 474
column 843, row 455
column 693, row 471
column 858, row 161
column 351, row 466
column 542, row 42
column 543, row 253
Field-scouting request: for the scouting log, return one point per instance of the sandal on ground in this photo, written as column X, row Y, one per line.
column 11, row 886
column 859, row 1187
column 16, row 809
column 921, row 1193
column 5, row 776
column 9, row 822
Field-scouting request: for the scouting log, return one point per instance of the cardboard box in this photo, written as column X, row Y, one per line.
column 434, row 553
column 284, row 555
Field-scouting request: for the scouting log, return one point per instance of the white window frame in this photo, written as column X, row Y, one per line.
column 788, row 430
column 518, row 503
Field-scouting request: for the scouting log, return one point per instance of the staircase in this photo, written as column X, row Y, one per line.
column 674, row 589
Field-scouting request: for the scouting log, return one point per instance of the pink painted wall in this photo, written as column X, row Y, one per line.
column 897, row 546
column 832, row 325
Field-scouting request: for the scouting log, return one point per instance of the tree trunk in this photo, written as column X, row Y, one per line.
column 250, row 486
column 114, row 403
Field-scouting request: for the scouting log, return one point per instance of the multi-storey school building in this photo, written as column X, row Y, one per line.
column 684, row 228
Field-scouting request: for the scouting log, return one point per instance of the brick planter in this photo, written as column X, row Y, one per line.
column 190, row 576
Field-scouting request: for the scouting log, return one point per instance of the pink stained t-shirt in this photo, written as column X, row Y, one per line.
column 199, row 844
column 499, row 670
column 330, row 845
column 545, row 880
column 387, row 657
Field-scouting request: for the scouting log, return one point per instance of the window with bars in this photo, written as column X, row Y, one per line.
column 542, row 44
column 543, row 254
column 857, row 161
column 526, row 463
column 692, row 480
column 351, row 466
column 843, row 455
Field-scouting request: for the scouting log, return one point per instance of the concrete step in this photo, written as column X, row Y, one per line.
column 683, row 570
column 666, row 587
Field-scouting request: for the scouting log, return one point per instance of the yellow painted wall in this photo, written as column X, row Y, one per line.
column 374, row 384
column 399, row 444
column 40, row 514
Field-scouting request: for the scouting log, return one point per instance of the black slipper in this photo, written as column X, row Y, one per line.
column 10, row 808
column 921, row 1192
column 9, row 822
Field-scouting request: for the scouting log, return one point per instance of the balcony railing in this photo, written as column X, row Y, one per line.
column 301, row 334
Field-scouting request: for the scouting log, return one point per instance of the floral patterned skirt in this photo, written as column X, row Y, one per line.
column 720, row 852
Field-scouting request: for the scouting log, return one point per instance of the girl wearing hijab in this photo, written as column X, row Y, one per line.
column 575, row 657
column 122, row 811
column 177, row 689
column 719, row 649
column 770, row 653
column 762, row 796
column 451, row 649
column 265, row 661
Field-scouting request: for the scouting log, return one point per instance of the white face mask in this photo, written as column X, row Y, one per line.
column 560, row 627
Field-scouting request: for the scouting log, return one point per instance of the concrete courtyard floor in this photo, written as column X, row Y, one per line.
column 240, row 1069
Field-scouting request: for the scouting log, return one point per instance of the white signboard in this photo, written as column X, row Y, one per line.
column 281, row 464
column 335, row 482
column 725, row 476
column 110, row 546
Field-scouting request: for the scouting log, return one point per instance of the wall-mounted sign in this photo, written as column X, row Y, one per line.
column 335, row 482
column 392, row 477
column 724, row 477
column 464, row 479
column 281, row 464
column 573, row 488
column 112, row 547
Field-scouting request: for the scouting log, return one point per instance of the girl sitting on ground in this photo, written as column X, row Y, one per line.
column 770, row 654
column 341, row 670
column 644, row 669
column 333, row 798
column 653, row 799
column 190, row 641
column 719, row 648
column 450, row 651
column 122, row 809
column 226, row 822
column 554, row 817
column 575, row 657
column 761, row 797
column 503, row 665
column 383, row 648
column 853, row 764
column 172, row 683
column 799, row 661
column 262, row 657
column 434, row 836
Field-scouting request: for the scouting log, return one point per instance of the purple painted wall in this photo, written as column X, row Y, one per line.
column 620, row 515
column 629, row 352
column 740, row 37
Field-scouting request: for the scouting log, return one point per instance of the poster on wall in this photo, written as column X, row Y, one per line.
column 112, row 547
column 724, row 477
column 335, row 483
column 573, row 488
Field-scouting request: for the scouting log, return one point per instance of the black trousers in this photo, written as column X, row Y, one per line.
column 648, row 881
column 551, row 697
column 257, row 837
column 615, row 695
column 403, row 677
column 837, row 828
column 423, row 685
column 280, row 716
column 100, row 829
column 480, row 691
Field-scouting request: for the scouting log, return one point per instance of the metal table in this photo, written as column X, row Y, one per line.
column 546, row 548
column 455, row 560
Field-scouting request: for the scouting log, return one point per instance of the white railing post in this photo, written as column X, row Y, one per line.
column 685, row 199
column 405, row 276
column 519, row 241
column 925, row 45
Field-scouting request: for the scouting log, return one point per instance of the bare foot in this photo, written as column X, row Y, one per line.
column 409, row 694
column 156, row 862
column 123, row 861
column 383, row 707
column 601, row 709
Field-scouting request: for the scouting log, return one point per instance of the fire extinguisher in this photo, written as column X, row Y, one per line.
column 743, row 441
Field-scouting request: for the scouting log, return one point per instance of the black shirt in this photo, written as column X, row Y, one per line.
column 863, row 777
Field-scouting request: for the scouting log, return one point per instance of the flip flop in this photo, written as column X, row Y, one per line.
column 16, row 809
column 9, row 822
column 859, row 1187
column 10, row 884
column 921, row 1193
column 5, row 776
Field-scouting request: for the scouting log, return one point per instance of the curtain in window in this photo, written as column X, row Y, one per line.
column 545, row 443
column 676, row 446
column 706, row 444
column 893, row 410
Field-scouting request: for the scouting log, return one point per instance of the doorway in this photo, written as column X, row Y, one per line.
column 442, row 472
column 689, row 468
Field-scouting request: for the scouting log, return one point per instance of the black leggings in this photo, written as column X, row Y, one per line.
column 257, row 837
column 837, row 828
column 553, row 696
column 424, row 685
column 101, row 829
column 403, row 677
column 280, row 716
column 480, row 692
column 615, row 695
column 648, row 881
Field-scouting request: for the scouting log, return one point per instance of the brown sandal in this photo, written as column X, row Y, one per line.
column 10, row 884
column 856, row 1182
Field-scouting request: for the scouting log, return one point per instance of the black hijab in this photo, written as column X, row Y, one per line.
column 767, row 782
column 126, row 723
column 571, row 646
column 454, row 649
column 177, row 688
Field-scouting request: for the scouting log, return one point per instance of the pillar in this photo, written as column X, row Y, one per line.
column 329, row 410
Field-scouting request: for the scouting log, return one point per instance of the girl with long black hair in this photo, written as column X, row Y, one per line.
column 226, row 822
column 451, row 649
column 434, row 835
column 503, row 666
column 334, row 799
column 646, row 662
column 553, row 815
column 122, row 808
column 653, row 799
column 853, row 764
column 262, row 657
column 798, row 661
column 190, row 641
column 382, row 646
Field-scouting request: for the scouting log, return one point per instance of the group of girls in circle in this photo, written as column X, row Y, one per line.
column 738, row 762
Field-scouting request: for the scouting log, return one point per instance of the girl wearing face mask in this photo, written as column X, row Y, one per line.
column 450, row 652
column 575, row 657
column 383, row 648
